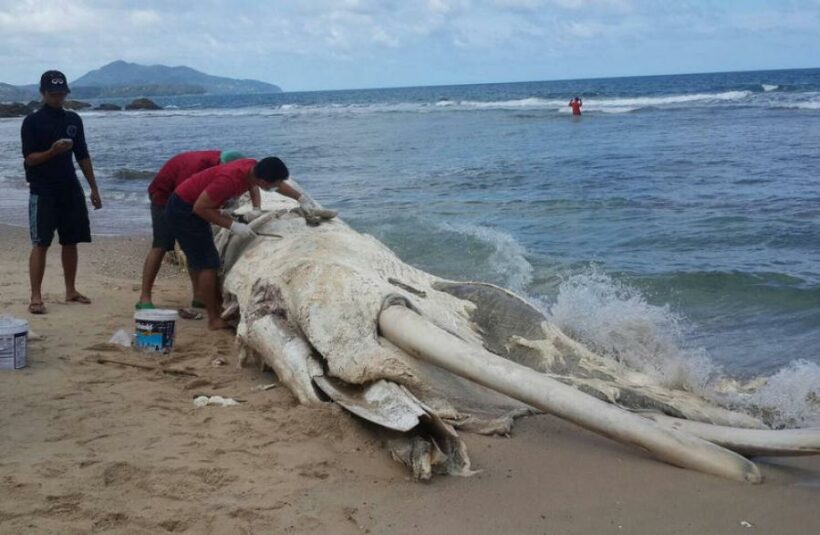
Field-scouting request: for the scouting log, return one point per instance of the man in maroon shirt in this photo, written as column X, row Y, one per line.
column 171, row 175
column 195, row 206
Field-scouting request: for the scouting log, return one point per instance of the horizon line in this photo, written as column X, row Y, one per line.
column 551, row 80
column 460, row 84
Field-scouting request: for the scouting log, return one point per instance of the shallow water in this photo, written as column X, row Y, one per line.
column 678, row 220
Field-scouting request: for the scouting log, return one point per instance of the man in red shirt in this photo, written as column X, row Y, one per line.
column 576, row 104
column 171, row 175
column 195, row 206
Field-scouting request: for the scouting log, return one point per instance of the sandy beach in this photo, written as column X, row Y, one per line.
column 89, row 445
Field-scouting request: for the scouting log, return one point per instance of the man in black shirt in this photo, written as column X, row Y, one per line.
column 57, row 202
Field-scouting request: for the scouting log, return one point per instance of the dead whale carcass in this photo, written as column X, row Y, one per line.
column 334, row 311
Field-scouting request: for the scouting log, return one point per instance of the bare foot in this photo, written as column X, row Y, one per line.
column 77, row 297
column 217, row 324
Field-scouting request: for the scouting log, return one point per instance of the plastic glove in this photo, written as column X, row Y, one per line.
column 242, row 230
column 253, row 214
column 312, row 211
column 307, row 203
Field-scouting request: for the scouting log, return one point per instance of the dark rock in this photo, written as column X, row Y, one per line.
column 75, row 105
column 108, row 107
column 16, row 109
column 142, row 104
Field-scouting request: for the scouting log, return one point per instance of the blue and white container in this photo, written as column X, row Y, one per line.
column 155, row 330
column 13, row 343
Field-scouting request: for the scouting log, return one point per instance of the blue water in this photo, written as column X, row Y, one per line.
column 678, row 218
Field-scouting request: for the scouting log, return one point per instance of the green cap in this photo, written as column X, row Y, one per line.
column 230, row 155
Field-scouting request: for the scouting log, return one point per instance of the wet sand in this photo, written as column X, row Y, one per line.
column 91, row 446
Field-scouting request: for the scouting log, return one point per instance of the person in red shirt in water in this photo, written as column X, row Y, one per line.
column 172, row 174
column 195, row 206
column 576, row 104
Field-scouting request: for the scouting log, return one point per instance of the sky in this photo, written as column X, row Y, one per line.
column 338, row 44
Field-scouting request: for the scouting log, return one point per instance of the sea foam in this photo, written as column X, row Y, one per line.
column 603, row 105
column 615, row 320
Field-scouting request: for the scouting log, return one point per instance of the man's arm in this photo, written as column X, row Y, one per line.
column 208, row 210
column 36, row 158
column 256, row 197
column 287, row 190
column 88, row 172
column 84, row 160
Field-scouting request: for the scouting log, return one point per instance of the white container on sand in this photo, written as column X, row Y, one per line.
column 155, row 330
column 13, row 343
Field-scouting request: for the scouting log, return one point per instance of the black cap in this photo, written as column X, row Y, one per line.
column 271, row 169
column 54, row 81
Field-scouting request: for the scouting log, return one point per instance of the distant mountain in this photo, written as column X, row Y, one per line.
column 121, row 78
column 18, row 93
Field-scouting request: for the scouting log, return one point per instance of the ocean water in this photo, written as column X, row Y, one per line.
column 675, row 226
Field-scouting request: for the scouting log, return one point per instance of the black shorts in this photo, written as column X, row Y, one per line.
column 163, row 237
column 64, row 211
column 193, row 234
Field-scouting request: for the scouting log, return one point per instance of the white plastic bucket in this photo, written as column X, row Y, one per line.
column 13, row 342
column 154, row 330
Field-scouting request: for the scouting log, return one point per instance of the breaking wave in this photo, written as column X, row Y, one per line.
column 130, row 198
column 615, row 320
column 675, row 99
column 810, row 105
column 790, row 396
column 612, row 105
column 807, row 101
column 553, row 105
column 769, row 87
column 507, row 261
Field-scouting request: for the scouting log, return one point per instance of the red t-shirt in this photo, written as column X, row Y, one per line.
column 221, row 183
column 576, row 107
column 177, row 169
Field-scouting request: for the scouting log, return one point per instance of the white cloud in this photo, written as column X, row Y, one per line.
column 32, row 17
column 246, row 37
column 144, row 17
column 447, row 6
column 619, row 5
column 776, row 19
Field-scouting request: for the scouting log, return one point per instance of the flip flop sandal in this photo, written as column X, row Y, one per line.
column 37, row 308
column 190, row 314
